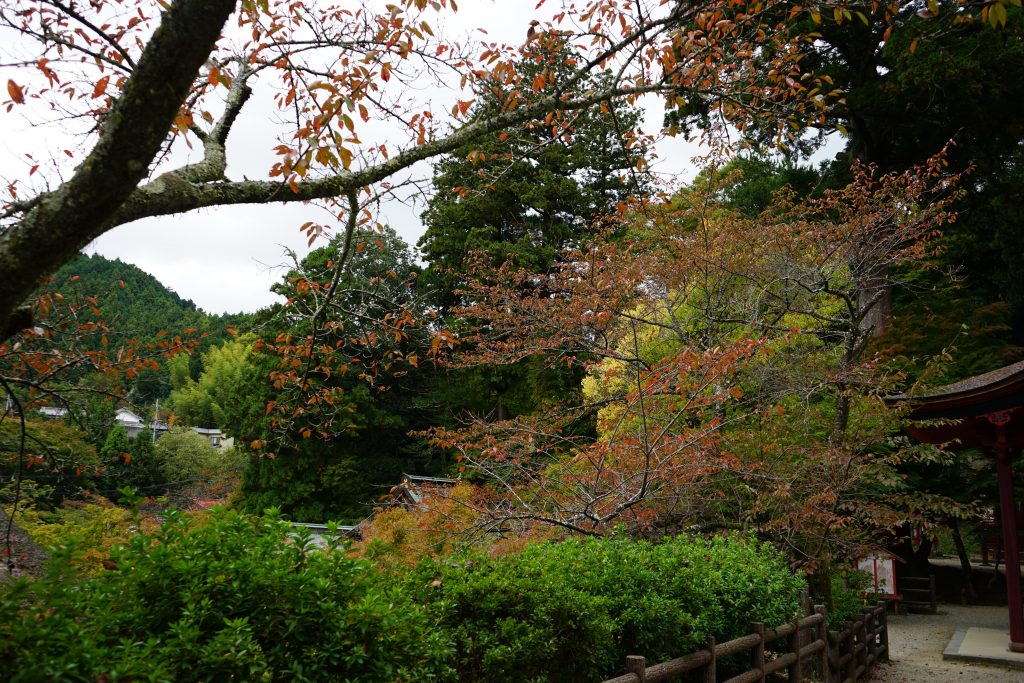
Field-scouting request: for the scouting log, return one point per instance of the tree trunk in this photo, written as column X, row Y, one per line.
column 820, row 583
column 965, row 561
column 875, row 302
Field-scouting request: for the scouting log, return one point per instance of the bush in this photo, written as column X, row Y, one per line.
column 573, row 610
column 231, row 598
column 92, row 528
column 57, row 457
column 849, row 596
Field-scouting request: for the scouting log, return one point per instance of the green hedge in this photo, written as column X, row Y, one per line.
column 232, row 598
column 227, row 599
column 572, row 611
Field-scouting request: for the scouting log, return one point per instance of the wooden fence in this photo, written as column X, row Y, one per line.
column 833, row 656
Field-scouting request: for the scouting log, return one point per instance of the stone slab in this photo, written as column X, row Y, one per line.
column 985, row 645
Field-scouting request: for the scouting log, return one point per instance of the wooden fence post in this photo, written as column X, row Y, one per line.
column 710, row 669
column 796, row 669
column 884, row 619
column 823, row 656
column 850, row 629
column 870, row 635
column 757, row 654
column 637, row 664
column 862, row 646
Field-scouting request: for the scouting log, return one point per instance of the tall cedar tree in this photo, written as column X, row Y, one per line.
column 334, row 459
column 523, row 196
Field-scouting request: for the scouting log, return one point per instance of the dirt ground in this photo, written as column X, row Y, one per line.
column 916, row 642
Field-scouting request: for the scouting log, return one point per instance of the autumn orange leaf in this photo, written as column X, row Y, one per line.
column 101, row 86
column 15, row 91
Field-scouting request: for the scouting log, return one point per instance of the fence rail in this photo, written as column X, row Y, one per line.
column 838, row 656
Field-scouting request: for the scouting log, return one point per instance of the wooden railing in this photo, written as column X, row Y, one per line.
column 862, row 642
column 838, row 656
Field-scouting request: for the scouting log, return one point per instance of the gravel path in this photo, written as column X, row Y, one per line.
column 916, row 642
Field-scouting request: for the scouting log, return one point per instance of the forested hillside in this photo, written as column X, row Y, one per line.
column 133, row 304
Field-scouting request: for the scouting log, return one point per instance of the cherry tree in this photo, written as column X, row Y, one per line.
column 728, row 372
column 147, row 77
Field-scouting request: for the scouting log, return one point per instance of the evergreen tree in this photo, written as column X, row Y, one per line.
column 333, row 459
column 523, row 196
column 526, row 194
column 146, row 473
column 115, row 446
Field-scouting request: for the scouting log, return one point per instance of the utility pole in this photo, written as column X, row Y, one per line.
column 156, row 418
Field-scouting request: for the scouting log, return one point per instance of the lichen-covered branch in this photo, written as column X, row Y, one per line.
column 68, row 218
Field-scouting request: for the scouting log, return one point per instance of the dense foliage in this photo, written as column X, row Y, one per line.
column 709, row 361
column 55, row 456
column 228, row 598
column 328, row 432
column 572, row 611
column 132, row 304
column 240, row 597
column 527, row 194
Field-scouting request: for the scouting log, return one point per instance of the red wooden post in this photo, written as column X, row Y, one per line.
column 636, row 664
column 1008, row 509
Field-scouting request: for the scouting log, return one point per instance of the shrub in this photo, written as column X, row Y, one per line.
column 573, row 610
column 91, row 528
column 849, row 595
column 230, row 598
column 57, row 457
column 185, row 455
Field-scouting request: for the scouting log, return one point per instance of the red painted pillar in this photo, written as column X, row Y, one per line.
column 1008, row 511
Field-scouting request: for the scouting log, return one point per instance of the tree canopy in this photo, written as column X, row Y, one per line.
column 170, row 74
column 528, row 193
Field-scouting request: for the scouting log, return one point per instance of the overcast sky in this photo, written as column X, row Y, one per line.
column 225, row 259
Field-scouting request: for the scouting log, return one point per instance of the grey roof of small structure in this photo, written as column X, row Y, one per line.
column 411, row 481
column 319, row 532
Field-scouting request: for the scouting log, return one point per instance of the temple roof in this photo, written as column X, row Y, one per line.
column 989, row 392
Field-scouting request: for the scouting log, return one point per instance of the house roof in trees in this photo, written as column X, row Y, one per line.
column 413, row 489
column 53, row 412
column 127, row 418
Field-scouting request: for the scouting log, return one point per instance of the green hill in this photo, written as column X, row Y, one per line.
column 135, row 305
